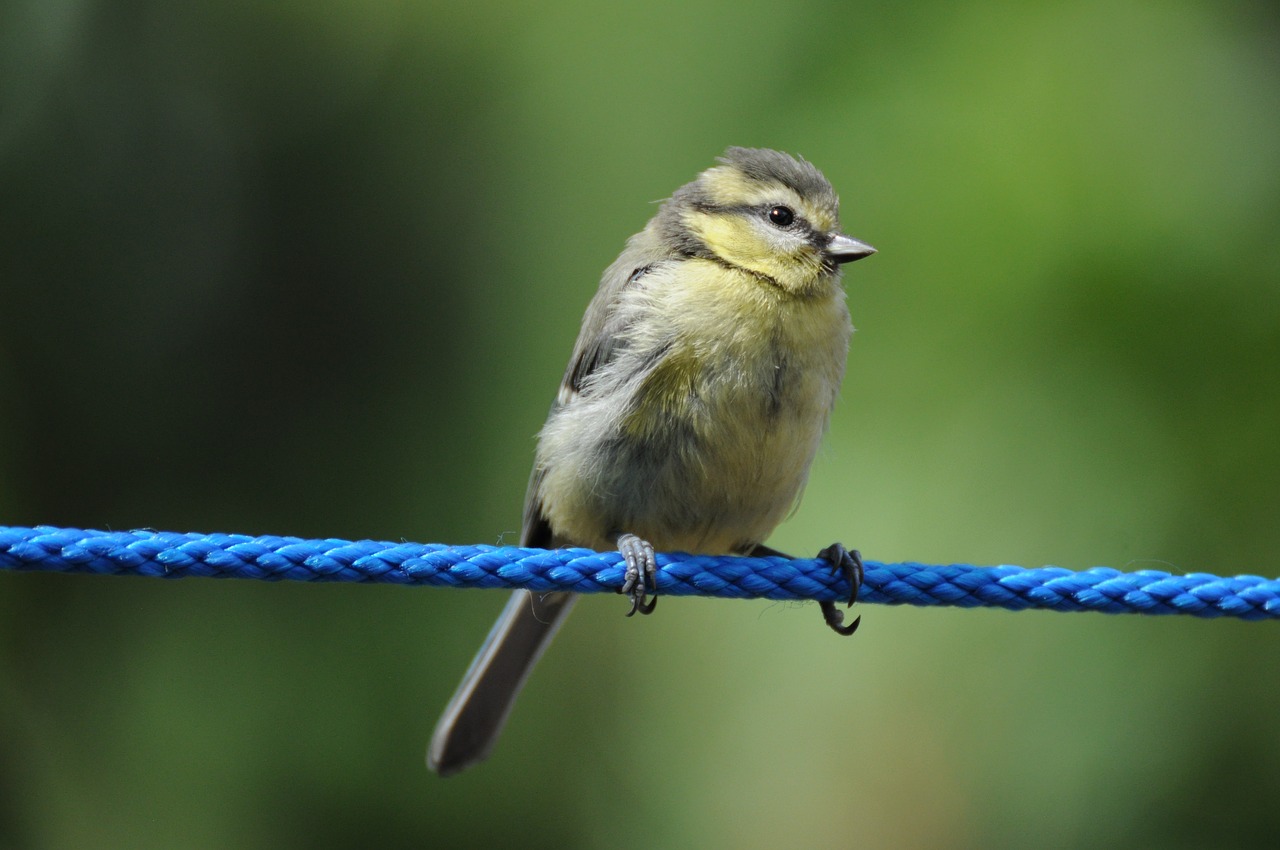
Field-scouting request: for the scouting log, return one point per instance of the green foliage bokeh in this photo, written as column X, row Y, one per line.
column 315, row 269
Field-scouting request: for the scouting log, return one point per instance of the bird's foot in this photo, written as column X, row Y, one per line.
column 849, row 563
column 641, row 574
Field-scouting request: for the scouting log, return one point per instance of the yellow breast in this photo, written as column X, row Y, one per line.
column 712, row 447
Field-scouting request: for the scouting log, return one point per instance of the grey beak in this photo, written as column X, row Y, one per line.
column 846, row 249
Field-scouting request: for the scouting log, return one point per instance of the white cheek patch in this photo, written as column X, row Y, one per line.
column 785, row 243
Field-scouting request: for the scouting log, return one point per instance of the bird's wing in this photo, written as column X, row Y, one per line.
column 602, row 337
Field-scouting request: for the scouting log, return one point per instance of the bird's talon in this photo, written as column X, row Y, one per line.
column 641, row 574
column 849, row 564
column 639, row 603
column 835, row 619
column 859, row 573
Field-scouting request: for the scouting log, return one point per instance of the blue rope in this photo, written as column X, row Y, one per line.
column 172, row 555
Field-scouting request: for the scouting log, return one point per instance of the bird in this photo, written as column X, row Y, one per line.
column 699, row 389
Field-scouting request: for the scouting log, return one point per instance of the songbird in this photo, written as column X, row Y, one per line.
column 699, row 389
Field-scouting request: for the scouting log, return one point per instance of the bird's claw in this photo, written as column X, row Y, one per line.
column 641, row 574
column 849, row 564
column 835, row 619
column 644, row 607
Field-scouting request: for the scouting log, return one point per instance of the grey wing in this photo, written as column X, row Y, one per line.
column 601, row 338
column 535, row 531
column 604, row 328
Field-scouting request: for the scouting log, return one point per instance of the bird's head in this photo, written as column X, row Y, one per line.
column 765, row 212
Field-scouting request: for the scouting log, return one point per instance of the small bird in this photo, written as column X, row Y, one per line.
column 699, row 389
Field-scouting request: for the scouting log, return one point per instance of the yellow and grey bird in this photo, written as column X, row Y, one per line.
column 698, row 392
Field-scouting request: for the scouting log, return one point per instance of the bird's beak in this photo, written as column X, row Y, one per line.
column 846, row 249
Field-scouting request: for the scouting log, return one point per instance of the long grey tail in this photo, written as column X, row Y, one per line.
column 475, row 716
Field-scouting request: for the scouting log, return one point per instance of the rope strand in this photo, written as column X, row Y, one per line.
column 175, row 555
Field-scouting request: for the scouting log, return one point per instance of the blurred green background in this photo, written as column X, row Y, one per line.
column 315, row 269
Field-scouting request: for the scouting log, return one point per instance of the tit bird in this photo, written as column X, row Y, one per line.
column 698, row 392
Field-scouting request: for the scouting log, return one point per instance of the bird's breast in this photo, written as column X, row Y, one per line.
column 708, row 437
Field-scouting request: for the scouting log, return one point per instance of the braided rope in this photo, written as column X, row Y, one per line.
column 174, row 555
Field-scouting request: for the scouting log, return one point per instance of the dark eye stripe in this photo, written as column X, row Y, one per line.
column 765, row 211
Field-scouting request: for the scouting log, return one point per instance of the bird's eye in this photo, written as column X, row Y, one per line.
column 782, row 216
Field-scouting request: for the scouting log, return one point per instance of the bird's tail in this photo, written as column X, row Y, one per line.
column 475, row 716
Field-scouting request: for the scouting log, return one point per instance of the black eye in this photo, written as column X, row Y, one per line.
column 782, row 216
